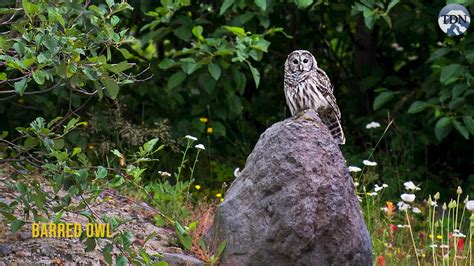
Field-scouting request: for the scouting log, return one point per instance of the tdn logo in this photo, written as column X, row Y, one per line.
column 454, row 19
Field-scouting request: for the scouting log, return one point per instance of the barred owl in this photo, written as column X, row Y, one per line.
column 308, row 87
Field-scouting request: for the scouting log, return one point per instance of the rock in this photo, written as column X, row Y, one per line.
column 5, row 250
column 181, row 260
column 293, row 203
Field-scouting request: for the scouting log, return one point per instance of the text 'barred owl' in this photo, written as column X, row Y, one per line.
column 308, row 87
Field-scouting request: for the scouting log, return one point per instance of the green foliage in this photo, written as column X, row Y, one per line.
column 67, row 173
column 65, row 45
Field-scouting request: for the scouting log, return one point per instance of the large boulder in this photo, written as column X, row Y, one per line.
column 293, row 203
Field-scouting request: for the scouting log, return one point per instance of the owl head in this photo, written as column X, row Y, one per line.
column 300, row 61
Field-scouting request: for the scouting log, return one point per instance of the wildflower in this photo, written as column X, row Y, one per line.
column 237, row 172
column 403, row 206
column 413, row 57
column 459, row 190
column 408, row 197
column 369, row 163
column 359, row 198
column 457, row 233
column 403, row 226
column 222, row 199
column 164, row 173
column 460, row 244
column 191, row 137
column 372, row 194
column 356, row 184
column 377, row 188
column 393, row 228
column 410, row 186
column 470, row 205
column 452, row 204
column 439, row 237
column 436, row 196
column 444, row 246
column 380, row 261
column 200, row 146
column 385, row 185
column 433, row 246
column 444, row 206
column 203, row 120
column 416, row 210
column 218, row 195
column 210, row 130
column 390, row 208
column 372, row 125
column 354, row 169
column 197, row 187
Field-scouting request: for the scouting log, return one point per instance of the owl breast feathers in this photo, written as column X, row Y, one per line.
column 308, row 87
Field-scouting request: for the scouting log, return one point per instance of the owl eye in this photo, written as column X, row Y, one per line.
column 305, row 61
column 295, row 61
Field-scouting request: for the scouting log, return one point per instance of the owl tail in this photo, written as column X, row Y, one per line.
column 334, row 125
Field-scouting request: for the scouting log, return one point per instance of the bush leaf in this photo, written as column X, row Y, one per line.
column 382, row 99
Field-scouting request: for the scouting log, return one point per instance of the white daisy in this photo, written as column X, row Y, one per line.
column 372, row 125
column 191, row 137
column 409, row 185
column 354, row 169
column 402, row 206
column 408, row 197
column 200, row 146
column 369, row 163
column 416, row 210
column 470, row 205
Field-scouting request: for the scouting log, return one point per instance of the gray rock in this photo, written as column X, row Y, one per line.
column 293, row 204
column 181, row 260
column 5, row 250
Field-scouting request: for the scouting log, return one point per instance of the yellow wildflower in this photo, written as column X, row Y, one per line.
column 210, row 130
column 198, row 187
column 439, row 237
column 218, row 195
column 222, row 199
column 203, row 119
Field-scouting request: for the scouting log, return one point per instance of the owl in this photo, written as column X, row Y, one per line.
column 308, row 87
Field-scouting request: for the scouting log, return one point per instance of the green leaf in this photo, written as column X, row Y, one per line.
column 303, row 3
column 20, row 86
column 106, row 251
column 392, row 4
column 111, row 86
column 469, row 123
column 3, row 76
column 121, row 261
column 236, row 30
column 255, row 74
column 58, row 216
column 382, row 99
column 176, row 79
column 101, row 172
column 225, row 5
column 149, row 145
column 221, row 248
column 461, row 129
column 39, row 77
column 262, row 4
column 120, row 67
column 450, row 73
column 16, row 225
column 214, row 70
column 166, row 63
column 417, row 107
column 197, row 32
column 442, row 128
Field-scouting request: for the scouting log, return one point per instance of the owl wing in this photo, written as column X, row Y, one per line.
column 325, row 87
column 332, row 116
column 289, row 96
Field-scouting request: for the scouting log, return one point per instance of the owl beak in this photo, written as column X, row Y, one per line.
column 301, row 67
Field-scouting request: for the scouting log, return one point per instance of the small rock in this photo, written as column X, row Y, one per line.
column 23, row 253
column 181, row 260
column 5, row 250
